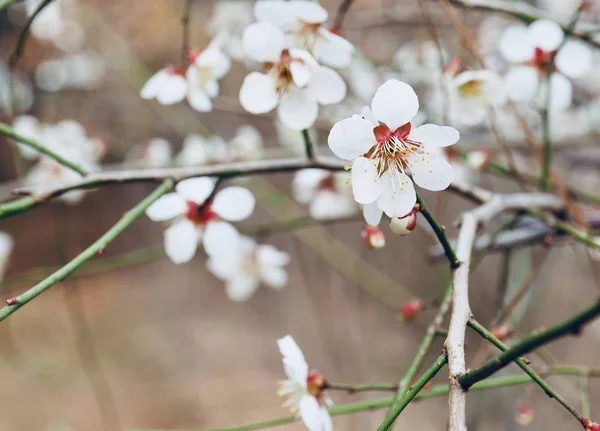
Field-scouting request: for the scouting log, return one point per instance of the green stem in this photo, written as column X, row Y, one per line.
column 6, row 3
column 440, row 233
column 547, row 141
column 9, row 132
column 308, row 145
column 567, row 228
column 13, row 304
column 470, row 378
column 352, row 389
column 413, row 391
column 17, row 206
column 584, row 384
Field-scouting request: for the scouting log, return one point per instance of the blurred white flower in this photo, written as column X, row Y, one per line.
column 227, row 24
column 82, row 71
column 292, row 140
column 167, row 86
column 328, row 193
column 247, row 144
column 303, row 390
column 472, row 92
column 533, row 52
column 16, row 94
column 305, row 22
column 249, row 266
column 362, row 77
column 420, row 62
column 6, row 247
column 382, row 147
column 194, row 218
column 156, row 153
column 198, row 150
column 56, row 24
column 294, row 83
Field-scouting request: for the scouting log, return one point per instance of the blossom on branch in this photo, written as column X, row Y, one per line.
column 294, row 82
column 328, row 193
column 384, row 148
column 541, row 57
column 250, row 265
column 304, row 390
column 195, row 216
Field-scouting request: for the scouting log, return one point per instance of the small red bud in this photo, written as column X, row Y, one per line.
column 373, row 237
column 412, row 308
column 503, row 332
column 590, row 425
column 404, row 225
column 525, row 414
column 100, row 251
column 11, row 301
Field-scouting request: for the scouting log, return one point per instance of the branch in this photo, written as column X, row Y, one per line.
column 341, row 13
column 571, row 326
column 310, row 148
column 6, row 3
column 13, row 304
column 440, row 233
column 18, row 52
column 185, row 24
column 10, row 133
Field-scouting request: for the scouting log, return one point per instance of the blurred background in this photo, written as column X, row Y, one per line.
column 132, row 341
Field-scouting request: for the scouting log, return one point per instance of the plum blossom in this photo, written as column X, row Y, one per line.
column 540, row 56
column 383, row 147
column 156, row 153
column 227, row 23
column 328, row 193
column 304, row 22
column 404, row 225
column 420, row 62
column 247, row 144
column 198, row 150
column 199, row 81
column 294, row 82
column 251, row 265
column 6, row 247
column 195, row 216
column 304, row 390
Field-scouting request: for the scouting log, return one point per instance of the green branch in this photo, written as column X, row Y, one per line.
column 440, row 233
column 9, row 132
column 6, row 3
column 13, row 304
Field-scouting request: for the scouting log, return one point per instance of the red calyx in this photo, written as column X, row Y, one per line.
column 590, row 425
column 200, row 214
column 384, row 134
column 412, row 308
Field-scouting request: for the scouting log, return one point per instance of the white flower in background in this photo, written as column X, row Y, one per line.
column 30, row 127
column 56, row 24
column 16, row 94
column 198, row 150
column 362, row 77
column 251, row 265
column 198, row 81
column 304, row 390
column 328, row 193
column 472, row 92
column 228, row 21
column 194, row 218
column 383, row 146
column 533, row 51
column 247, row 144
column 156, row 153
column 304, row 22
column 81, row 71
column 6, row 247
column 294, row 83
column 420, row 62
column 292, row 140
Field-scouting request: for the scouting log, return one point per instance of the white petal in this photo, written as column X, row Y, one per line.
column 196, row 189
column 366, row 184
column 522, row 83
column 221, row 266
column 367, row 114
column 301, row 73
column 515, row 45
column 154, row 85
column 398, row 196
column 220, row 238
column 241, row 287
column 167, row 207
column 181, row 241
column 258, row 94
column 274, row 276
column 234, row 203
column 333, row 50
column 329, row 205
column 294, row 363
column 327, row 86
column 351, row 137
column 297, row 110
column 214, row 59
column 199, row 100
column 269, row 255
column 372, row 214
column 326, row 423
column 545, row 34
column 306, row 182
column 308, row 12
column 274, row 11
column 310, row 413
column 561, row 92
column 173, row 90
column 263, row 42
column 432, row 173
column 432, row 135
column 574, row 59
column 395, row 103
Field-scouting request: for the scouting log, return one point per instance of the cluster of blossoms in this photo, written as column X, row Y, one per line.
column 68, row 139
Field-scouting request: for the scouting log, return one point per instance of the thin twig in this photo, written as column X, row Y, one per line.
column 440, row 233
column 185, row 25
column 341, row 13
column 18, row 52
column 309, row 146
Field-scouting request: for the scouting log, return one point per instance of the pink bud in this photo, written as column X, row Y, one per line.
column 502, row 332
column 412, row 308
column 11, row 301
column 525, row 414
column 373, row 237
column 590, row 425
column 404, row 225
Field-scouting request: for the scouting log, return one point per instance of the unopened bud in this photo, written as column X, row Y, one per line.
column 454, row 66
column 11, row 301
column 590, row 425
column 502, row 332
column 412, row 308
column 373, row 237
column 479, row 159
column 525, row 414
column 404, row 225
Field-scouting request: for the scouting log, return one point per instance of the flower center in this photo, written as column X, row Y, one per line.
column 543, row 60
column 200, row 214
column 282, row 70
column 327, row 183
column 470, row 88
column 177, row 70
column 393, row 149
column 315, row 383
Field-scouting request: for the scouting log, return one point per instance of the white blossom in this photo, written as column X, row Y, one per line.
column 383, row 147
column 303, row 390
column 294, row 82
column 6, row 247
column 537, row 65
column 247, row 144
column 420, row 62
column 328, row 194
column 156, row 153
column 304, row 22
column 472, row 92
column 198, row 150
column 249, row 266
column 195, row 217
column 227, row 23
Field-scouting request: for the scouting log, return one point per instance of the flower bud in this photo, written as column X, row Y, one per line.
column 454, row 66
column 479, row 159
column 502, row 332
column 373, row 237
column 404, row 225
column 412, row 308
column 525, row 414
column 590, row 425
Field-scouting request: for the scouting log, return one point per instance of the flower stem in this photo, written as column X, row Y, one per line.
column 440, row 233
column 309, row 146
column 87, row 254
column 547, row 141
